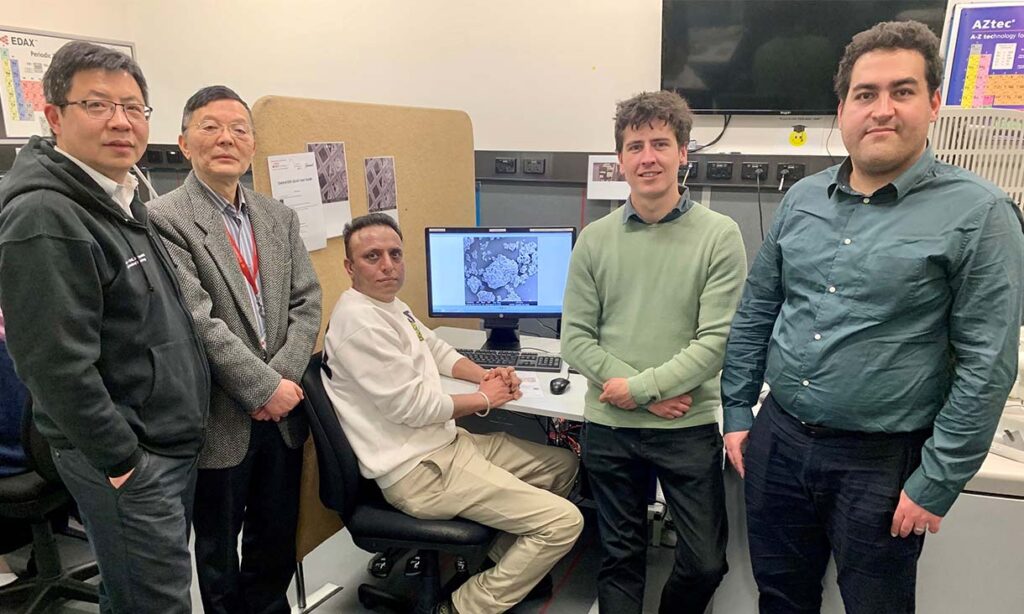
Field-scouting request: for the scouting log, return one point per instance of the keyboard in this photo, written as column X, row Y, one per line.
column 522, row 361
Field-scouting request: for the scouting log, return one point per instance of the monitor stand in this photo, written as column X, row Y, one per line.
column 503, row 335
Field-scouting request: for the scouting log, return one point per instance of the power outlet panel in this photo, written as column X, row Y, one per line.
column 690, row 171
column 720, row 170
column 505, row 166
column 534, row 166
column 749, row 171
column 792, row 172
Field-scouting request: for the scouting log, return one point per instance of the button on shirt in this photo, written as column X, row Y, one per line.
column 237, row 223
column 890, row 312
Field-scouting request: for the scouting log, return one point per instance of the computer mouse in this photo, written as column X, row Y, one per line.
column 559, row 385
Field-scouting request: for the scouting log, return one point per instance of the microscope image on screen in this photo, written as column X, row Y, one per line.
column 500, row 270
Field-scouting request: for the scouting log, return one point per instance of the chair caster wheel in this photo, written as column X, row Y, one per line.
column 380, row 565
column 414, row 566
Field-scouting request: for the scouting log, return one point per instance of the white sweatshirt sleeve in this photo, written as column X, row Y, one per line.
column 374, row 359
column 444, row 354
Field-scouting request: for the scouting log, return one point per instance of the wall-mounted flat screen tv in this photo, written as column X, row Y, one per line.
column 769, row 56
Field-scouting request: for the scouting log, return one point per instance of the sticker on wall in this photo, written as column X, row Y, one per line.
column 798, row 137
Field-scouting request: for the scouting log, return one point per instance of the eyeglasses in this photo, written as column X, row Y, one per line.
column 105, row 109
column 239, row 130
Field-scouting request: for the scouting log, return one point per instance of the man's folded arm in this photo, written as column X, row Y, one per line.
column 304, row 313
column 373, row 359
column 582, row 313
column 701, row 360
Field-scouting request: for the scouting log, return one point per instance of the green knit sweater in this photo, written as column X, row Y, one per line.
column 653, row 303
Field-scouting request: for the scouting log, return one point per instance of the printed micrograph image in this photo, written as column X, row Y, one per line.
column 500, row 270
column 381, row 191
column 607, row 171
column 331, row 170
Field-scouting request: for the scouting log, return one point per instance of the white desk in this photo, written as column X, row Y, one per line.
column 568, row 405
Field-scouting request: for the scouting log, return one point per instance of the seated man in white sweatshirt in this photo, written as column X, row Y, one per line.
column 382, row 371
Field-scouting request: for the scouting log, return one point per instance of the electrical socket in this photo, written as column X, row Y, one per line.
column 534, row 166
column 749, row 171
column 505, row 166
column 690, row 171
column 795, row 172
column 719, row 170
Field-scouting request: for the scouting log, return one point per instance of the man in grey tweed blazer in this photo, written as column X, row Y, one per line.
column 249, row 283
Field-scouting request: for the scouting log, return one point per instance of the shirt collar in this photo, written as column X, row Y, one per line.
column 684, row 205
column 900, row 185
column 224, row 205
column 121, row 193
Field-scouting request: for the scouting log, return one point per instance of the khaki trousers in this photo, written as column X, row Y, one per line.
column 506, row 483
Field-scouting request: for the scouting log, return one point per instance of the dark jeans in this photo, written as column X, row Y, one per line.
column 811, row 494
column 262, row 494
column 139, row 532
column 688, row 462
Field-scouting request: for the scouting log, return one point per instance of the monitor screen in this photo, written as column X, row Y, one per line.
column 769, row 56
column 497, row 272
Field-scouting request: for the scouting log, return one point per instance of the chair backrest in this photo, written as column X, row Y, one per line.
column 341, row 485
column 37, row 449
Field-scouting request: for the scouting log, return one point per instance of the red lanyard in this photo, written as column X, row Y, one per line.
column 249, row 274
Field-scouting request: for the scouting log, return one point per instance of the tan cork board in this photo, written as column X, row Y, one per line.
column 434, row 171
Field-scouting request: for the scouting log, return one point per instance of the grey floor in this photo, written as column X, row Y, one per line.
column 340, row 562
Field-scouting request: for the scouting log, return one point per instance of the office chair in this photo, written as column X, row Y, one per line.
column 34, row 496
column 375, row 525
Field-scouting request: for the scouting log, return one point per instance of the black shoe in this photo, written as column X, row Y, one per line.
column 445, row 607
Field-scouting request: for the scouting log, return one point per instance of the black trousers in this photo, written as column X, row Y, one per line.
column 688, row 462
column 139, row 532
column 260, row 499
column 811, row 494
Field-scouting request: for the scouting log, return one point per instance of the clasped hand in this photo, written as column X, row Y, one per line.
column 616, row 392
column 501, row 385
column 281, row 403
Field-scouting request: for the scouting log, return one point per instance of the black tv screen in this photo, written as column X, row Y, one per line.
column 769, row 56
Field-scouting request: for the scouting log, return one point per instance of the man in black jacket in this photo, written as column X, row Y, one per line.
column 99, row 332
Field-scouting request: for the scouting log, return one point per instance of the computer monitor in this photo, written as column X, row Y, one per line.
column 499, row 275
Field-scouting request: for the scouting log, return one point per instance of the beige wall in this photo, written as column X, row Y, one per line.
column 538, row 75
column 532, row 74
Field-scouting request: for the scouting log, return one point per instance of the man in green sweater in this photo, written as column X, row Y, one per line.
column 652, row 289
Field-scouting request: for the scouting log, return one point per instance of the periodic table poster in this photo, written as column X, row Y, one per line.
column 24, row 57
column 985, row 66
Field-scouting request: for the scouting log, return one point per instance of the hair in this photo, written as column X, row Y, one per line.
column 205, row 96
column 78, row 56
column 365, row 221
column 646, row 107
column 891, row 35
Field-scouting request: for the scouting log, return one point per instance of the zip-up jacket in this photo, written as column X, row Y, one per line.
column 96, row 324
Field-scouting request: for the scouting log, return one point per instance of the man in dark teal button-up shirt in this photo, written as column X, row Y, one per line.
column 884, row 310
